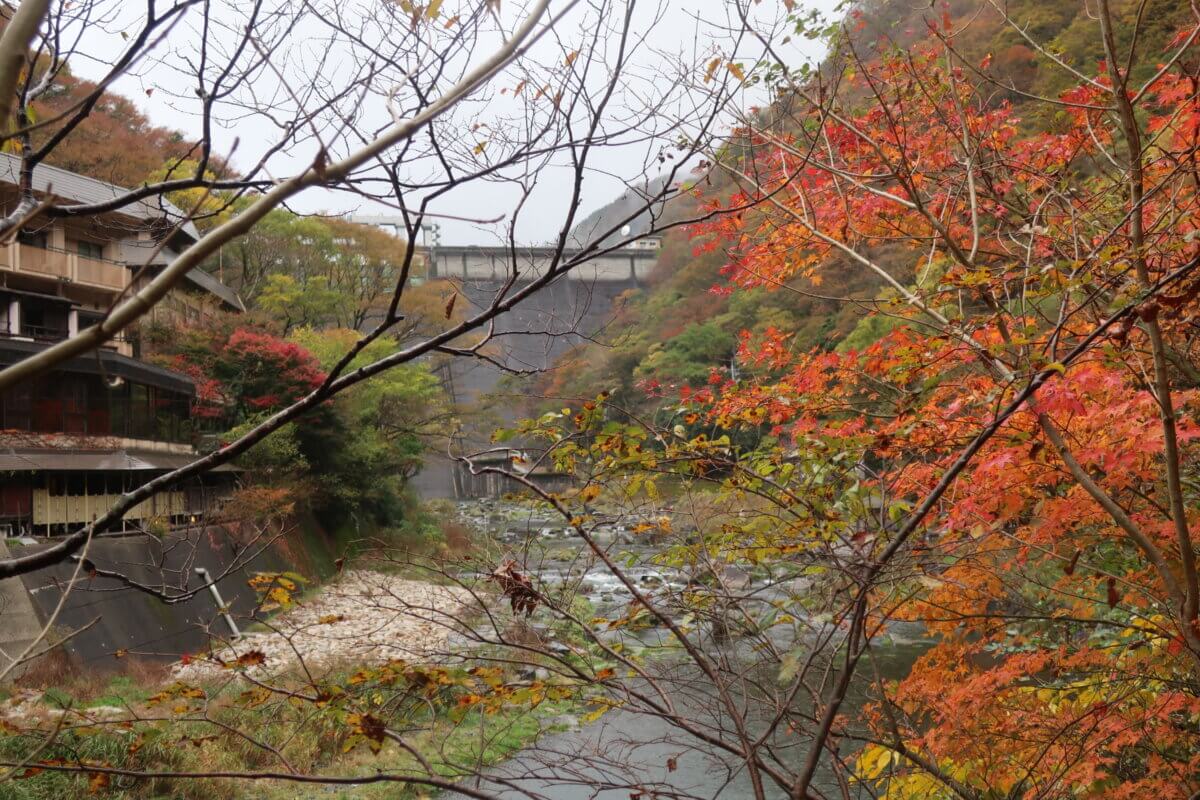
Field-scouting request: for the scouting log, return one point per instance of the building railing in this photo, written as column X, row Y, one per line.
column 56, row 263
column 46, row 333
column 43, row 333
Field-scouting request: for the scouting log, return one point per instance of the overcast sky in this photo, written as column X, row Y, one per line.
column 675, row 30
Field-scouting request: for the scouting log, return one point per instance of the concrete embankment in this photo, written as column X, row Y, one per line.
column 104, row 618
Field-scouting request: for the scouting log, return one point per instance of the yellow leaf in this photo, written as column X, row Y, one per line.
column 450, row 23
column 873, row 760
column 479, row 147
column 434, row 8
column 251, row 658
column 97, row 782
column 280, row 595
column 711, row 69
column 574, row 54
column 468, row 700
column 595, row 715
column 737, row 70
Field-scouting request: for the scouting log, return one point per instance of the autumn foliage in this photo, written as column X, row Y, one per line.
column 241, row 371
column 1046, row 538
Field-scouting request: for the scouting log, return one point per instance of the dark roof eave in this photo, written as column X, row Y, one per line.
column 50, row 460
column 217, row 289
column 103, row 363
column 85, row 190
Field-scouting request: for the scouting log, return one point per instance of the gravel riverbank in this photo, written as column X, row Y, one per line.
column 362, row 617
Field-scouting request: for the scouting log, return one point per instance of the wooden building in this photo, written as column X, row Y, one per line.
column 98, row 425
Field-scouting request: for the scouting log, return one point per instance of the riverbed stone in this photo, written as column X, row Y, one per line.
column 363, row 617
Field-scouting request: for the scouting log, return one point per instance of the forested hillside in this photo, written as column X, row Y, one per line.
column 684, row 326
column 115, row 143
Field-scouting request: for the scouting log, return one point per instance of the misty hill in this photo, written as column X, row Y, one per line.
column 614, row 214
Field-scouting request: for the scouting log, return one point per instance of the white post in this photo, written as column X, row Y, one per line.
column 222, row 609
column 14, row 317
column 72, row 322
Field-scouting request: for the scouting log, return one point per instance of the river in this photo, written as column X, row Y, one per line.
column 627, row 753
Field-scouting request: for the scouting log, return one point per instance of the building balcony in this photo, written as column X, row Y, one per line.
column 39, row 333
column 44, row 318
column 49, row 334
column 49, row 262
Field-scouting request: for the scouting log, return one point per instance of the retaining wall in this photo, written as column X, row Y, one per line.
column 111, row 616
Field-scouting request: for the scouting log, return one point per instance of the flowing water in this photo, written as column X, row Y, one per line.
column 626, row 752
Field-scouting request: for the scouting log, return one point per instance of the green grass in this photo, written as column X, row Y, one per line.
column 313, row 740
column 111, row 747
column 453, row 749
column 119, row 691
column 122, row 690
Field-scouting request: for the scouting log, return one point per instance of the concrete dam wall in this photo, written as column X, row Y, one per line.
column 533, row 336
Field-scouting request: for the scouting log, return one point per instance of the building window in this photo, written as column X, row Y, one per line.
column 86, row 404
column 141, row 424
column 47, row 408
column 75, row 406
column 31, row 239
column 43, row 322
column 15, row 406
column 90, row 249
column 118, row 403
column 99, row 420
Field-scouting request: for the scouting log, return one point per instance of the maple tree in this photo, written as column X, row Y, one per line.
column 1004, row 456
column 1027, row 428
column 367, row 106
column 239, row 370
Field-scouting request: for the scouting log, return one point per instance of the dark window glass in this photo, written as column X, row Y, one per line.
column 89, row 249
column 163, row 419
column 99, row 421
column 33, row 239
column 118, row 409
column 33, row 317
column 74, row 405
column 47, row 412
column 183, row 408
column 141, row 422
column 40, row 321
column 15, row 405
